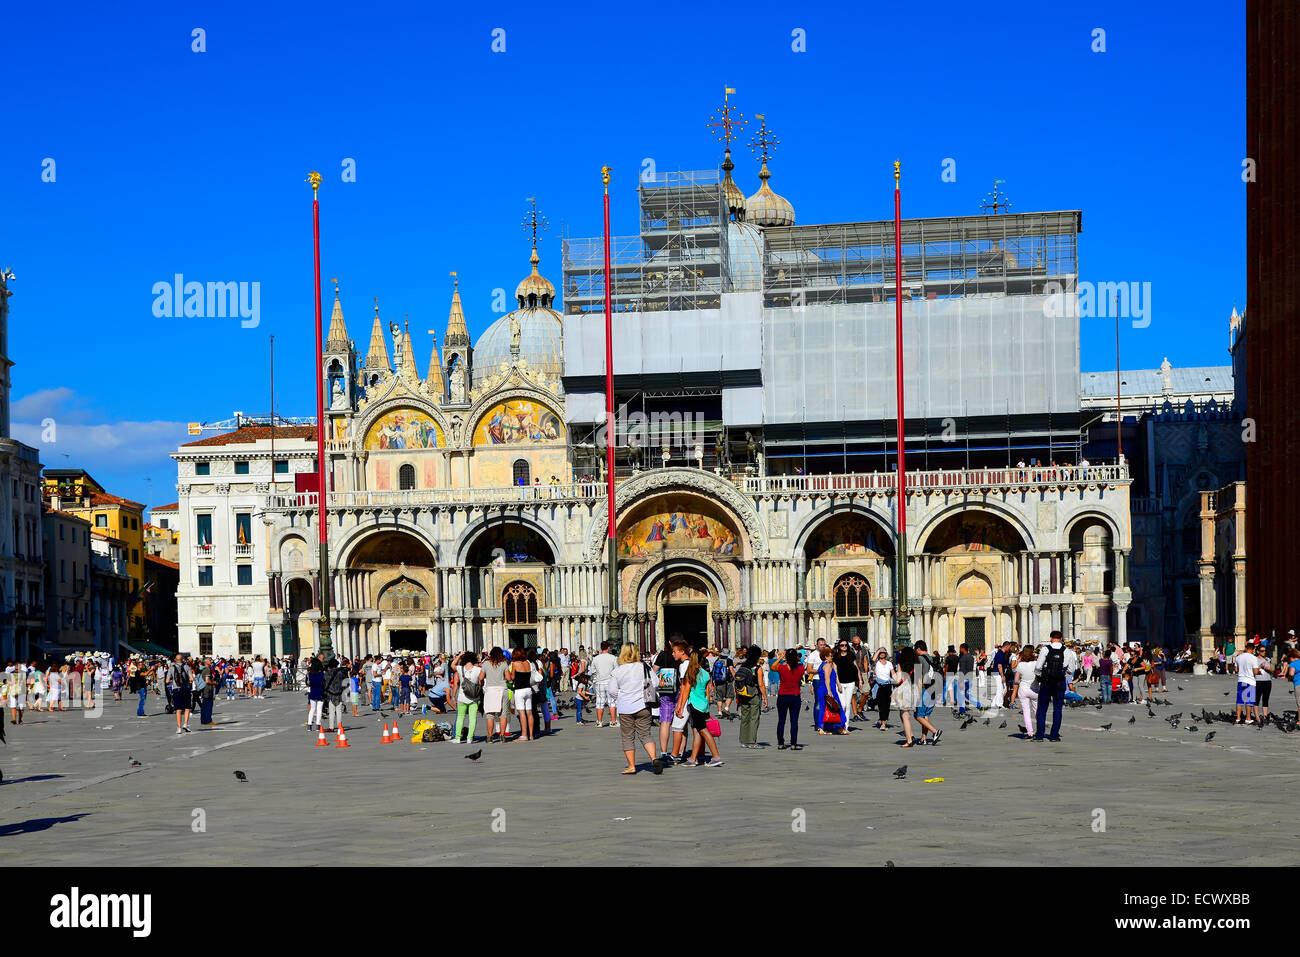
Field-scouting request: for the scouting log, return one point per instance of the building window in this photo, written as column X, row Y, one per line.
column 135, row 556
column 63, row 570
column 201, row 468
column 163, row 523
column 241, row 468
column 245, row 642
column 406, row 477
column 244, row 575
column 101, row 520
column 205, row 642
column 852, row 597
column 61, row 533
column 243, row 528
column 282, row 466
column 204, row 529
column 519, row 602
column 521, row 476
column 205, row 576
column 135, row 524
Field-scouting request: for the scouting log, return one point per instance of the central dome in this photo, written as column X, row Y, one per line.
column 541, row 332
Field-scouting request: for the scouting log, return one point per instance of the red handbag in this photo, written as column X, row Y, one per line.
column 831, row 717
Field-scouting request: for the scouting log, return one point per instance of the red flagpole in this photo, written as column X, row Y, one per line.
column 323, row 645
column 902, row 628
column 613, row 626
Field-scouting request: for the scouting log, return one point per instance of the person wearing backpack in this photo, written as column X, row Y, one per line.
column 723, row 674
column 469, row 695
column 1052, row 669
column 182, row 683
column 751, row 692
column 667, row 679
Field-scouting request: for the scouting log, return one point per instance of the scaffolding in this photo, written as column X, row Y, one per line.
column 943, row 258
column 677, row 262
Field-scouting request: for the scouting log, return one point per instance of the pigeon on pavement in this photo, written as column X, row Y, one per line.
column 1132, row 719
column 1210, row 736
column 901, row 772
column 241, row 776
column 1105, row 727
column 475, row 756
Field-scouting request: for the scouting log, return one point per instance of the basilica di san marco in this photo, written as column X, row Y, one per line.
column 467, row 503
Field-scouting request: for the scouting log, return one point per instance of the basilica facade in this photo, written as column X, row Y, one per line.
column 456, row 521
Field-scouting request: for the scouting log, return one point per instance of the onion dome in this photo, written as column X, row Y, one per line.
column 766, row 208
column 535, row 289
column 735, row 198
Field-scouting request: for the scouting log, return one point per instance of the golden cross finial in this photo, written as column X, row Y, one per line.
column 999, row 202
column 898, row 167
column 454, row 281
column 532, row 221
column 314, row 178
column 604, row 176
column 727, row 120
column 336, row 287
column 376, row 306
column 763, row 142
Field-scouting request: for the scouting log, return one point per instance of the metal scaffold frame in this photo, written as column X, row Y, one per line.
column 943, row 258
column 679, row 260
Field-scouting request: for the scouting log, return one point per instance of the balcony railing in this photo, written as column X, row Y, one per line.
column 936, row 480
column 204, row 550
column 243, row 550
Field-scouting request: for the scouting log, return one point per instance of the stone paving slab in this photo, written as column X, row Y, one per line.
column 1168, row 797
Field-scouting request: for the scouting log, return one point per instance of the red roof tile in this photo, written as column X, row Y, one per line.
column 254, row 433
column 161, row 561
column 173, row 507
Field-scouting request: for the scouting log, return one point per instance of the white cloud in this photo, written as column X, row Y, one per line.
column 119, row 454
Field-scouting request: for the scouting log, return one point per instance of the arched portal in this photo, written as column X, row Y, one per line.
column 391, row 572
column 298, row 599
column 684, row 608
column 975, row 574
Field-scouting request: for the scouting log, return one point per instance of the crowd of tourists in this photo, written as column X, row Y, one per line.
column 670, row 705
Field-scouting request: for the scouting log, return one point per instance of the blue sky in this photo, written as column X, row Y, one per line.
column 170, row 161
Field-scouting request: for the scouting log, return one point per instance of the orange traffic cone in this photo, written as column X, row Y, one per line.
column 386, row 739
column 396, row 735
column 342, row 740
column 320, row 739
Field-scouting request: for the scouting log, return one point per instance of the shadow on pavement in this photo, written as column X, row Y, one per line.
column 37, row 824
column 32, row 777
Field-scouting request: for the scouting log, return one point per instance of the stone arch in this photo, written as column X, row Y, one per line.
column 922, row 539
column 345, row 551
column 292, row 552
column 467, row 539
column 675, row 563
column 974, row 586
column 702, row 485
column 1091, row 514
column 820, row 520
column 404, row 593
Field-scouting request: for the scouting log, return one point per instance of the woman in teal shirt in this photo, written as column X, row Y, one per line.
column 693, row 699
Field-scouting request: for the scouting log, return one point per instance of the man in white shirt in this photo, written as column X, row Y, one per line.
column 1247, row 668
column 566, row 684
column 602, row 667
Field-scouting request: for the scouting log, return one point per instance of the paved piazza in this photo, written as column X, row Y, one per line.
column 1169, row 798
